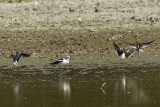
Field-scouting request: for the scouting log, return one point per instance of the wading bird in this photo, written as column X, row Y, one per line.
column 17, row 57
column 122, row 52
column 61, row 61
column 139, row 46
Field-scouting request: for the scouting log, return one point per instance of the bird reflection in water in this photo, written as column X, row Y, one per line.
column 65, row 89
column 16, row 91
column 127, row 91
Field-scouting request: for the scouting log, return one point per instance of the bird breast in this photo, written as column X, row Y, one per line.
column 15, row 63
column 123, row 56
column 65, row 61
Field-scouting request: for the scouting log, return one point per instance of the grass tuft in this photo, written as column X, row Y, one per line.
column 19, row 1
column 97, row 4
column 10, row 1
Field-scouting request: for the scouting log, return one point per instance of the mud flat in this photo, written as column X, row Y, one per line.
column 83, row 29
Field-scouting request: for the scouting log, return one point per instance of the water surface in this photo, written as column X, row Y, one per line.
column 124, row 87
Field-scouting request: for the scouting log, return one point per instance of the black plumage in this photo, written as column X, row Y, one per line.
column 122, row 52
column 139, row 46
column 19, row 55
column 57, row 62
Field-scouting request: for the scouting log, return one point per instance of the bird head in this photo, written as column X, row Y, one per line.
column 67, row 57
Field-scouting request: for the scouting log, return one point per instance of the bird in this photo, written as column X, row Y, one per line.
column 17, row 57
column 123, row 53
column 61, row 61
column 139, row 46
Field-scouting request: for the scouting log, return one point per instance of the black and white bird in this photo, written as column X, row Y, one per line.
column 62, row 61
column 122, row 52
column 139, row 46
column 17, row 57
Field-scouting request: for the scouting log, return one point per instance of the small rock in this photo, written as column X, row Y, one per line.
column 139, row 19
column 71, row 10
column 133, row 17
column 79, row 19
column 92, row 30
column 70, row 51
column 34, row 9
column 97, row 9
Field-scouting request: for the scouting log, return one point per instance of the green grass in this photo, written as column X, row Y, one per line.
column 19, row 1
column 10, row 1
column 13, row 1
column 97, row 4
column 141, row 1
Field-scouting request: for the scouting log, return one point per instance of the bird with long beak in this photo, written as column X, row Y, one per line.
column 122, row 52
column 139, row 46
column 17, row 57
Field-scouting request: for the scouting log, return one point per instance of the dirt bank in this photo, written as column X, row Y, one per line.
column 83, row 29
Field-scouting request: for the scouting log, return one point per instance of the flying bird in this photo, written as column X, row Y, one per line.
column 139, row 46
column 122, row 52
column 17, row 57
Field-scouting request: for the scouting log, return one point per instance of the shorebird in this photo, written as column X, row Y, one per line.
column 61, row 61
column 139, row 46
column 122, row 52
column 17, row 57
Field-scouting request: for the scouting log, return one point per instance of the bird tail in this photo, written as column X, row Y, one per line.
column 53, row 63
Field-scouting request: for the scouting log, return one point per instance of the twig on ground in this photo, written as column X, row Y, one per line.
column 103, row 85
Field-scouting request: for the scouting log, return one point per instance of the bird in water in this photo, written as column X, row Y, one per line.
column 17, row 57
column 122, row 52
column 139, row 46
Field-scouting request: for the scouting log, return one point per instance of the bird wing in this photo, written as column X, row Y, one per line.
column 117, row 49
column 57, row 62
column 129, row 53
column 23, row 55
column 144, row 45
column 132, row 45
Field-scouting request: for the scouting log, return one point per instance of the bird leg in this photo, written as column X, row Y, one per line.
column 60, row 68
column 138, row 55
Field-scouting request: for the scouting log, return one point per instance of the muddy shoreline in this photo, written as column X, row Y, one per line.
column 55, row 29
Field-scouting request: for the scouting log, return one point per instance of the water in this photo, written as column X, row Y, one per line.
column 125, row 87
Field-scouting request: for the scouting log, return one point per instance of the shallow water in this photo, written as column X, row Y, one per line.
column 129, row 87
